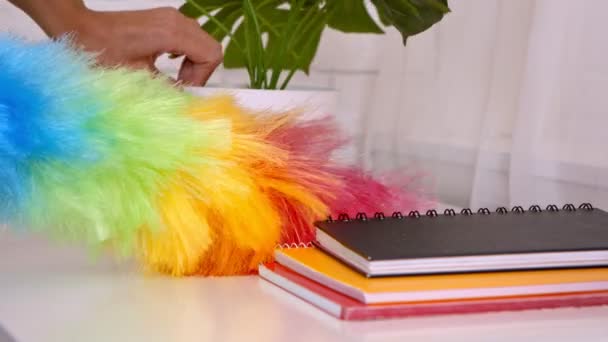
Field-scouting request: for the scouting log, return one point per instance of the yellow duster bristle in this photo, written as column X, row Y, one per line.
column 234, row 215
column 122, row 159
column 228, row 209
column 234, row 219
column 180, row 248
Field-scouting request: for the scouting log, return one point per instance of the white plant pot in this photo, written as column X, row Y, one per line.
column 312, row 103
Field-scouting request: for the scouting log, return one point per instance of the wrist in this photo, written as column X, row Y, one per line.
column 57, row 18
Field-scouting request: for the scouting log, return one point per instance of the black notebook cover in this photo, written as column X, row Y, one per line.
column 469, row 233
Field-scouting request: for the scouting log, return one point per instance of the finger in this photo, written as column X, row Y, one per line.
column 200, row 60
column 198, row 66
column 149, row 65
column 142, row 65
column 202, row 53
column 196, row 74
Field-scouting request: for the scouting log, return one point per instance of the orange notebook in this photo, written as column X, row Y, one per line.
column 346, row 308
column 324, row 269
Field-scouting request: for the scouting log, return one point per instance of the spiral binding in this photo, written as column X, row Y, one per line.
column 415, row 214
column 294, row 245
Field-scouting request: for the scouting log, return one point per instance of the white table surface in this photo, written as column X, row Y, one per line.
column 50, row 292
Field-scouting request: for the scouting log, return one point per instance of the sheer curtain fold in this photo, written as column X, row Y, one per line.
column 559, row 156
column 503, row 103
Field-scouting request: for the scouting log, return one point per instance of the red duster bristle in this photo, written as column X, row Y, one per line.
column 343, row 189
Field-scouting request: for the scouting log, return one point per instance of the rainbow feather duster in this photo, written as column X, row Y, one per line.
column 120, row 159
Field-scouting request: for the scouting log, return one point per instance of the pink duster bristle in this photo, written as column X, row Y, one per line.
column 312, row 145
column 315, row 140
column 366, row 194
column 117, row 158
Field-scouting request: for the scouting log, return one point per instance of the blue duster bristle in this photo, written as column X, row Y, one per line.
column 34, row 123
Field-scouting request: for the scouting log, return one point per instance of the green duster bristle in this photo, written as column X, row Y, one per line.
column 143, row 142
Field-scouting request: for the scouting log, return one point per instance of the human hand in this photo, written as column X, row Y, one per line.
column 138, row 38
column 131, row 38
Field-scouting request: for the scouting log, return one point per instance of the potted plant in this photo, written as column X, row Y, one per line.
column 274, row 39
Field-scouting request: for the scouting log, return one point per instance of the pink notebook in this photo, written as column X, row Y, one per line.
column 346, row 308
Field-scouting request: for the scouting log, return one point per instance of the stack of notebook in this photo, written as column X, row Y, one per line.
column 388, row 267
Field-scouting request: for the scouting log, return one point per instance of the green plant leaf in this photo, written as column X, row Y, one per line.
column 254, row 45
column 192, row 7
column 351, row 16
column 302, row 45
column 383, row 13
column 293, row 32
column 279, row 56
column 227, row 16
column 440, row 5
column 305, row 42
column 411, row 17
column 234, row 57
column 310, row 44
column 309, row 47
column 190, row 11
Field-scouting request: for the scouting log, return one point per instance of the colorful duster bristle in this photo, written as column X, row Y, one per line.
column 119, row 158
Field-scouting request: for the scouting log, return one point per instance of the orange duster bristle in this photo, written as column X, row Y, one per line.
column 268, row 188
column 122, row 159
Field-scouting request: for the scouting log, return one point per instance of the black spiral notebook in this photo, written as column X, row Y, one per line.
column 468, row 241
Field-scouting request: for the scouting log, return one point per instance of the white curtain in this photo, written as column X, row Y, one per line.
column 503, row 103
